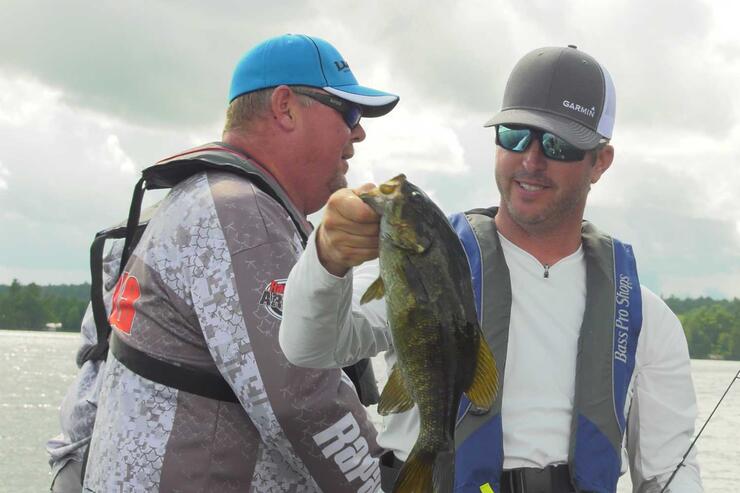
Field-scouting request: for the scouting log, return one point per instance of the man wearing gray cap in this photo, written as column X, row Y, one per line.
column 195, row 394
column 596, row 367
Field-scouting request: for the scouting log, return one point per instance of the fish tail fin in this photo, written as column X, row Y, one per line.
column 416, row 473
column 443, row 478
column 427, row 471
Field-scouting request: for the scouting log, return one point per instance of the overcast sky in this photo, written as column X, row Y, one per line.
column 92, row 92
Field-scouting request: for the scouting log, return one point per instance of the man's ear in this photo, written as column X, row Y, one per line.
column 284, row 105
column 604, row 158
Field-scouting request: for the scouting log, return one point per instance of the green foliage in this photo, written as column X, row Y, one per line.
column 33, row 306
column 712, row 327
column 683, row 305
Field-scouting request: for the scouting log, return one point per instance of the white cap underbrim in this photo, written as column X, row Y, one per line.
column 374, row 103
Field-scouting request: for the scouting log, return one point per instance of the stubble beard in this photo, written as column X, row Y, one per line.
column 339, row 181
column 559, row 211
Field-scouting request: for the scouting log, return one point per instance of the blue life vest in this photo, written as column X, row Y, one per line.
column 606, row 358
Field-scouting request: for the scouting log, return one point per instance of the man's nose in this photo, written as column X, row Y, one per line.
column 533, row 156
column 358, row 133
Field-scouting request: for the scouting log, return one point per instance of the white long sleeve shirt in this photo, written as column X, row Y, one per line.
column 325, row 326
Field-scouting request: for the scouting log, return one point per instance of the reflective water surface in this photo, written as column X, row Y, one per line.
column 37, row 367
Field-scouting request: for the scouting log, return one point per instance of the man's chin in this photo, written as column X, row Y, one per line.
column 338, row 183
column 526, row 218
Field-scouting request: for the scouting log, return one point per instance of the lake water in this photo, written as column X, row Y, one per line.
column 37, row 367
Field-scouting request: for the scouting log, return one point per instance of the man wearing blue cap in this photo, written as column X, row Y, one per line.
column 595, row 367
column 196, row 394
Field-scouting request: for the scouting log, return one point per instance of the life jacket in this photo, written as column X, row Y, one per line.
column 166, row 174
column 606, row 358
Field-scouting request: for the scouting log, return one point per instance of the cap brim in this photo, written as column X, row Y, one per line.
column 374, row 103
column 572, row 132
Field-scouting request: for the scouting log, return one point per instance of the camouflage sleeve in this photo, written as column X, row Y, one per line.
column 312, row 419
column 77, row 411
column 79, row 407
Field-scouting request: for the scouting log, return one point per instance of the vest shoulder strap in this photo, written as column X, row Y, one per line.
column 485, row 211
column 163, row 175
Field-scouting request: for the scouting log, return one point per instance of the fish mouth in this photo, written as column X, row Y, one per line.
column 383, row 193
column 374, row 200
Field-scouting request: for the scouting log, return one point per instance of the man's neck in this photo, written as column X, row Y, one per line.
column 267, row 159
column 546, row 244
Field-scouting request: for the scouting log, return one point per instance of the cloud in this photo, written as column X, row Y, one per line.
column 674, row 197
column 420, row 141
column 4, row 174
column 92, row 92
column 112, row 155
column 457, row 58
column 677, row 254
column 64, row 175
column 23, row 101
column 166, row 63
column 151, row 63
column 693, row 172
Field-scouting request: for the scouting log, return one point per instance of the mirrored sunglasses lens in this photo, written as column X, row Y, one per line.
column 556, row 148
column 516, row 140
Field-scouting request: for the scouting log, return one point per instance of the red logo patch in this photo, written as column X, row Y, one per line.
column 272, row 298
column 126, row 293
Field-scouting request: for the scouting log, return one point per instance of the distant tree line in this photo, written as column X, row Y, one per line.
column 712, row 326
column 32, row 306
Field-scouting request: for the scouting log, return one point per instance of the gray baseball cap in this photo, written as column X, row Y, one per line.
column 563, row 91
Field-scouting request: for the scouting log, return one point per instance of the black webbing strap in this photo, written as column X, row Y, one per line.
column 197, row 382
column 390, row 466
column 551, row 479
column 132, row 224
column 100, row 350
column 363, row 378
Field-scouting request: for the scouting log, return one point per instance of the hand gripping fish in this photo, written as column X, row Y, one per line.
column 425, row 278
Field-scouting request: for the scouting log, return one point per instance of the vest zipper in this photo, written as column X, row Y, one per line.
column 546, row 274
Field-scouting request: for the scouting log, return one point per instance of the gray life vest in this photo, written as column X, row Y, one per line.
column 165, row 174
column 606, row 358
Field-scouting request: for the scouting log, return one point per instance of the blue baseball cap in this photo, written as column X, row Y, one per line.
column 297, row 59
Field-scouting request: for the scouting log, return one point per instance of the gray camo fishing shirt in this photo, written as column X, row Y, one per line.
column 203, row 288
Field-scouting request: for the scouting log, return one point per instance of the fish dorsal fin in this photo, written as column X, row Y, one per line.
column 485, row 382
column 394, row 398
column 374, row 292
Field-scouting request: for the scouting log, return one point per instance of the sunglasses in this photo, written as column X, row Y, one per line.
column 351, row 113
column 518, row 139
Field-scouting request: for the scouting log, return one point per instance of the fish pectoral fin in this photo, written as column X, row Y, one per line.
column 394, row 398
column 407, row 239
column 485, row 381
column 374, row 292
